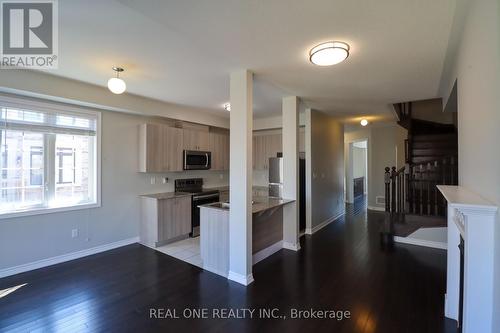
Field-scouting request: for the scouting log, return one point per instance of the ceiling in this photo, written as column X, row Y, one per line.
column 184, row 51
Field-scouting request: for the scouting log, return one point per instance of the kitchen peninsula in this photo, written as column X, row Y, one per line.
column 267, row 232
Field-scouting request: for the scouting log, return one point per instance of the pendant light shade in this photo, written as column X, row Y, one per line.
column 115, row 84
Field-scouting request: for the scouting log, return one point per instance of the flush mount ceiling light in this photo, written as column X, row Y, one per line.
column 227, row 106
column 363, row 122
column 115, row 84
column 329, row 53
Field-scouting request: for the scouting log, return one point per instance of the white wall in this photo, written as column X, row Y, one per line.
column 473, row 59
column 327, row 167
column 383, row 143
column 360, row 164
column 27, row 239
column 38, row 84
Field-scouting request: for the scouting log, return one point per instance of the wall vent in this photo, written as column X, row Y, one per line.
column 379, row 200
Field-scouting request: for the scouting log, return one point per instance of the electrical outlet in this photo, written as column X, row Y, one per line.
column 74, row 233
column 153, row 180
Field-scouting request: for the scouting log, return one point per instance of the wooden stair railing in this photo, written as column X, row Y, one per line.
column 412, row 189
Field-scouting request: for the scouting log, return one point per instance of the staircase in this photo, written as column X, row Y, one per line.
column 412, row 199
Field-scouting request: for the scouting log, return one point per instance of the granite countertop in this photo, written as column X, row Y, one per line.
column 166, row 195
column 218, row 188
column 260, row 204
column 170, row 195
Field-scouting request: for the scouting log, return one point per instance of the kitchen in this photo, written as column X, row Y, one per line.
column 170, row 221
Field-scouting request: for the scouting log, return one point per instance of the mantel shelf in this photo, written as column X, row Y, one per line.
column 461, row 197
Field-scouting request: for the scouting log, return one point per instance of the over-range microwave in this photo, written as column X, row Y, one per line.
column 197, row 160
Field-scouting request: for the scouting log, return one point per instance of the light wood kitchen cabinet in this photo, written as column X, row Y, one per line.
column 195, row 140
column 302, row 139
column 164, row 220
column 264, row 147
column 160, row 148
column 224, row 196
column 219, row 147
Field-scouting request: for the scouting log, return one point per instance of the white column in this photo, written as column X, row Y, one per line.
column 240, row 178
column 290, row 116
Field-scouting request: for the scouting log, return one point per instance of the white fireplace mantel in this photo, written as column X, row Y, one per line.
column 473, row 218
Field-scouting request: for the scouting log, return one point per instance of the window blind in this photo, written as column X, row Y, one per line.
column 44, row 121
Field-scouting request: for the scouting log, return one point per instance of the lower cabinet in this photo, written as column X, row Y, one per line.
column 164, row 220
column 224, row 196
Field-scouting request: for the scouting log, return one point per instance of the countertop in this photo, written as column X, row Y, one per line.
column 171, row 195
column 166, row 195
column 260, row 204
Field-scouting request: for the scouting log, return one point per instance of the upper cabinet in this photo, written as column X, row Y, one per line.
column 160, row 148
column 264, row 147
column 219, row 146
column 194, row 139
column 269, row 145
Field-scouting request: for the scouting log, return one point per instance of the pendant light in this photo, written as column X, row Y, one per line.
column 115, row 84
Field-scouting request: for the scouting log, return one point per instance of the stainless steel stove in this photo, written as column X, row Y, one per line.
column 200, row 197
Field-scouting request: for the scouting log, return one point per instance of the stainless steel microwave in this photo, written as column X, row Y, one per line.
column 197, row 160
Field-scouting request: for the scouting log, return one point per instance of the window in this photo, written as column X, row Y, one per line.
column 48, row 158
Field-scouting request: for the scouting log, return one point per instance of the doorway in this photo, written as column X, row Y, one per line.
column 356, row 173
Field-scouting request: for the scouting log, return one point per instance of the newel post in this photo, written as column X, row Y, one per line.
column 387, row 181
column 393, row 189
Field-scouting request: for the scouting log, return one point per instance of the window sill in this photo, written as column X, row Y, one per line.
column 41, row 211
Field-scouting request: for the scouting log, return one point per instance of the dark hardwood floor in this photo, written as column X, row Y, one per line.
column 341, row 267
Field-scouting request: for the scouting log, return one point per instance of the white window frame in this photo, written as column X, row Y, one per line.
column 32, row 104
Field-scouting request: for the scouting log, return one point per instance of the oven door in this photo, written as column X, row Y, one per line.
column 197, row 160
column 199, row 200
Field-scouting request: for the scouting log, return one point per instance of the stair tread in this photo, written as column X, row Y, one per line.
column 435, row 137
column 433, row 152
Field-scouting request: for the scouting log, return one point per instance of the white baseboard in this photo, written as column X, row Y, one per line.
column 264, row 253
column 240, row 278
column 65, row 257
column 323, row 224
column 380, row 209
column 291, row 246
column 421, row 242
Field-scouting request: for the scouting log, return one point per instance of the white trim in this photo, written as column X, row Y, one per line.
column 41, row 211
column 241, row 279
column 268, row 251
column 26, row 103
column 379, row 209
column 420, row 242
column 291, row 246
column 323, row 224
column 66, row 257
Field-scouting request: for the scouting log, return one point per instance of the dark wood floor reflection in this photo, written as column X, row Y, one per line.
column 341, row 267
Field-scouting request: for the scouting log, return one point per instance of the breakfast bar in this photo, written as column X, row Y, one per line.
column 267, row 232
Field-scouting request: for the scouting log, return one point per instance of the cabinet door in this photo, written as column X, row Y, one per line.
column 166, row 226
column 196, row 140
column 182, row 215
column 216, row 149
column 274, row 145
column 172, row 149
column 260, row 152
column 226, row 144
column 219, row 147
column 302, row 140
column 152, row 148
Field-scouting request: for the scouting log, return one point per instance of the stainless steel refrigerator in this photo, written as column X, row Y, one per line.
column 276, row 183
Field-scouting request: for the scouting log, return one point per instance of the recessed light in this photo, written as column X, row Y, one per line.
column 329, row 53
column 115, row 84
column 363, row 122
column 227, row 106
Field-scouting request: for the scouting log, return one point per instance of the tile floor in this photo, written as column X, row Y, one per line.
column 187, row 250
